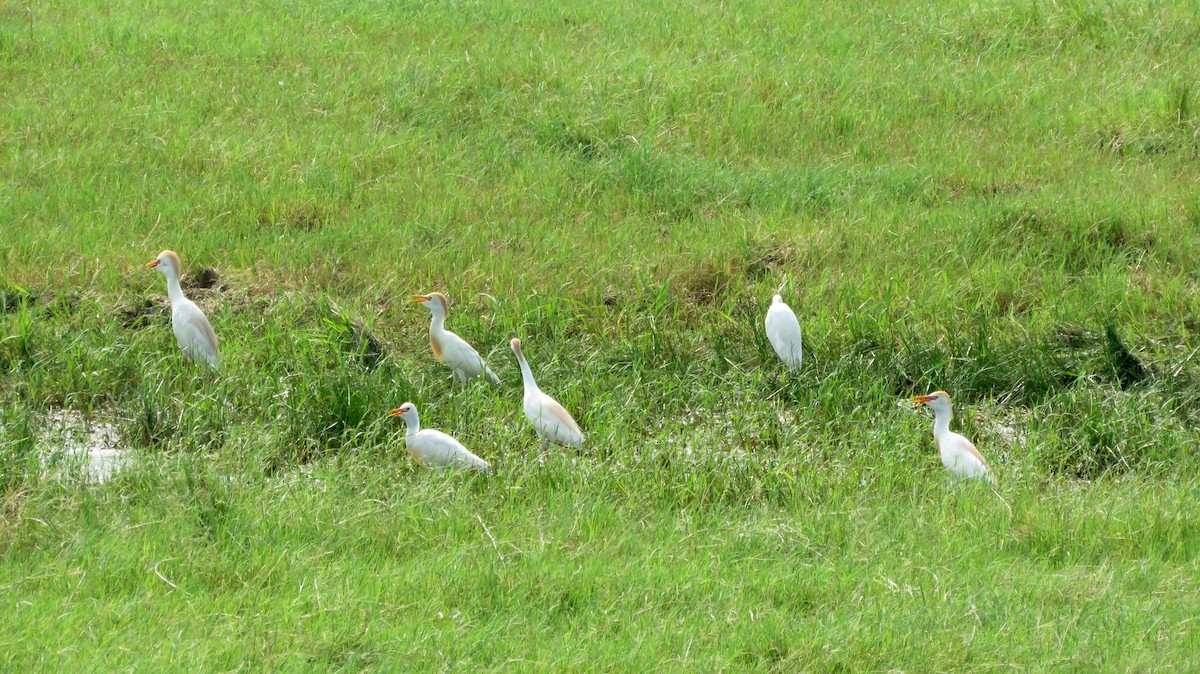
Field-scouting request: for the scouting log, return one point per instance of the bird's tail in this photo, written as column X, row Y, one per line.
column 491, row 375
column 211, row 362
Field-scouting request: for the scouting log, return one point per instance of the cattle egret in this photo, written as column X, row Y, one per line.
column 435, row 448
column 192, row 329
column 958, row 454
column 549, row 419
column 783, row 331
column 449, row 347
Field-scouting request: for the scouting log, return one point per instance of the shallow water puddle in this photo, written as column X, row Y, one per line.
column 71, row 446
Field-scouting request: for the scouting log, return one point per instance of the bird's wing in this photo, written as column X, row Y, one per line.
column 491, row 375
column 459, row 354
column 438, row 449
column 558, row 413
column 970, row 447
column 198, row 328
column 781, row 322
column 972, row 454
column 200, row 322
column 783, row 330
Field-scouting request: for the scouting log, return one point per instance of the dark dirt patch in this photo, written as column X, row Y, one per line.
column 365, row 344
column 356, row 339
column 143, row 312
column 1106, row 346
column 765, row 259
column 58, row 304
column 202, row 279
column 13, row 298
column 582, row 141
column 1075, row 337
column 704, row 284
column 1127, row 368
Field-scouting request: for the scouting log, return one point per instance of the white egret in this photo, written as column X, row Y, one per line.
column 957, row 452
column 449, row 347
column 551, row 421
column 435, row 448
column 192, row 329
column 783, row 331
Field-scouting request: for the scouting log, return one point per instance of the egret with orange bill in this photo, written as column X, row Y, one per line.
column 434, row 448
column 449, row 347
column 957, row 452
column 192, row 329
column 551, row 420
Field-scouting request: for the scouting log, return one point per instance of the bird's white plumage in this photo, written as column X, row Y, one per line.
column 464, row 360
column 783, row 331
column 194, row 334
column 961, row 457
column 958, row 455
column 192, row 330
column 448, row 347
column 435, row 448
column 549, row 418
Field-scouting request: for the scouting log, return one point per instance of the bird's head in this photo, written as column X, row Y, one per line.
column 938, row 400
column 167, row 262
column 433, row 301
column 777, row 299
column 516, row 345
column 406, row 411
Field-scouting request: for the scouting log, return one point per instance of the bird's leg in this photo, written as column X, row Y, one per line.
column 545, row 444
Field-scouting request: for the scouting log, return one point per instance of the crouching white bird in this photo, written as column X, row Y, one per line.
column 783, row 331
column 958, row 454
column 551, row 421
column 449, row 347
column 435, row 448
column 192, row 329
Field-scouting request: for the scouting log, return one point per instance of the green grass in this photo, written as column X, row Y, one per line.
column 998, row 199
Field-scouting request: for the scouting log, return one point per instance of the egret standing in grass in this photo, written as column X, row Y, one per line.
column 552, row 422
column 435, row 448
column 192, row 329
column 783, row 331
column 957, row 452
column 449, row 347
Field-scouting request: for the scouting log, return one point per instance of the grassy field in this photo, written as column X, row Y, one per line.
column 998, row 199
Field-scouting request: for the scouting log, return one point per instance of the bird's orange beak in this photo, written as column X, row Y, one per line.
column 417, row 298
column 923, row 399
column 152, row 265
column 395, row 413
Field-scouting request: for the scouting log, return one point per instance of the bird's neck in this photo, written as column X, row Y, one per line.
column 174, row 290
column 437, row 322
column 941, row 422
column 414, row 424
column 526, row 373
